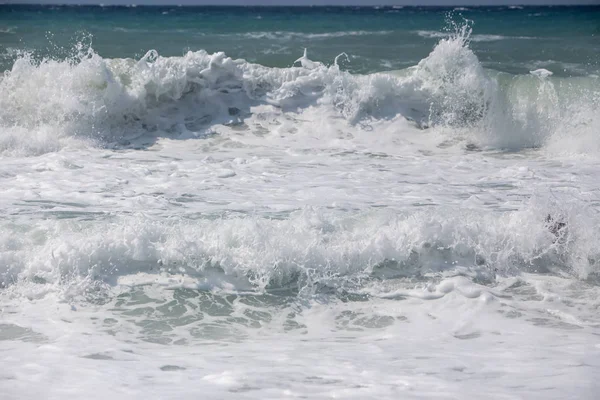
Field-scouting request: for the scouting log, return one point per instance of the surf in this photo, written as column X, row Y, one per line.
column 87, row 100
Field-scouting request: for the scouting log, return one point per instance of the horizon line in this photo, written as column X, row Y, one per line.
column 397, row 6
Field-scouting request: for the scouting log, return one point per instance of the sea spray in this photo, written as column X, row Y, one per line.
column 47, row 104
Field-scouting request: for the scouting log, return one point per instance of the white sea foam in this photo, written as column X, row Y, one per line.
column 308, row 248
column 287, row 35
column 199, row 226
column 474, row 38
column 102, row 100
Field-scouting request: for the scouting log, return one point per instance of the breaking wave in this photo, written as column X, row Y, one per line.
column 48, row 104
column 307, row 251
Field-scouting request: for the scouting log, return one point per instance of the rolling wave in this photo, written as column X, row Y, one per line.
column 89, row 100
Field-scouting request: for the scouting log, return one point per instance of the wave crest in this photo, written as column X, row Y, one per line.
column 48, row 104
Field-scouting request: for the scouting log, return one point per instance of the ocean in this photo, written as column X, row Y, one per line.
column 318, row 202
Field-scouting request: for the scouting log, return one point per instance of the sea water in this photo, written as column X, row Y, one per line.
column 272, row 203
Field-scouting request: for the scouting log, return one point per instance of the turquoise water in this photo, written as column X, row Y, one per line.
column 565, row 40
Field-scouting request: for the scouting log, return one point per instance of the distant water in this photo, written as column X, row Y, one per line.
column 317, row 203
column 515, row 40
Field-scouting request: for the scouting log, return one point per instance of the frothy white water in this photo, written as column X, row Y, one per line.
column 286, row 35
column 303, row 130
column 451, row 338
column 199, row 226
column 45, row 105
column 305, row 250
column 474, row 38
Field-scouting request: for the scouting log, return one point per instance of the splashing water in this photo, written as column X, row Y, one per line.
column 298, row 231
column 46, row 104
